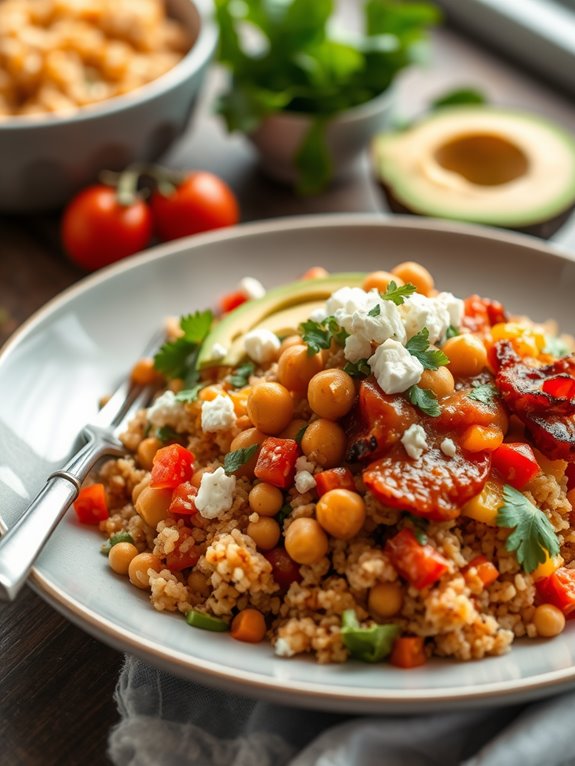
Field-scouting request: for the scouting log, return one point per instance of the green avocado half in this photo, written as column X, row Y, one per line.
column 480, row 164
column 281, row 310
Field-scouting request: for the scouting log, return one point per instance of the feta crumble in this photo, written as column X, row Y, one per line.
column 261, row 345
column 251, row 287
column 216, row 494
column 418, row 312
column 448, row 447
column 394, row 367
column 166, row 410
column 219, row 351
column 283, row 648
column 454, row 307
column 414, row 440
column 304, row 481
column 303, row 464
column 218, row 414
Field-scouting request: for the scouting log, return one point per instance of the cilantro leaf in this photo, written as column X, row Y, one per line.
column 375, row 311
column 397, row 294
column 240, row 376
column 283, row 513
column 233, row 461
column 360, row 369
column 189, row 394
column 196, row 326
column 484, row 393
column 533, row 538
column 418, row 346
column 299, row 436
column 419, row 525
column 177, row 358
column 425, row 400
column 319, row 335
column 337, row 333
column 451, row 332
column 168, row 434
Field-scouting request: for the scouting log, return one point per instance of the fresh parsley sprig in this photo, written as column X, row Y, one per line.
column 425, row 400
column 241, row 375
column 418, row 346
column 397, row 294
column 319, row 335
column 533, row 538
column 485, row 393
column 177, row 358
column 359, row 369
column 233, row 461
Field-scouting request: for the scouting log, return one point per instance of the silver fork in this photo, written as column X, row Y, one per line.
column 20, row 546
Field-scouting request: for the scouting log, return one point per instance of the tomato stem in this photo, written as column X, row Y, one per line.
column 141, row 179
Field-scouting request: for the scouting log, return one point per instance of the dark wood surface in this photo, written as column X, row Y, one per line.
column 56, row 682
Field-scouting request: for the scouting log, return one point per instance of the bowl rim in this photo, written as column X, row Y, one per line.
column 195, row 58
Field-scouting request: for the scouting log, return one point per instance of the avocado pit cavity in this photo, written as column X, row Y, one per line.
column 483, row 159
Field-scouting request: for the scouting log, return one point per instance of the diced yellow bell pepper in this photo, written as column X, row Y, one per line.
column 546, row 569
column 526, row 340
column 484, row 506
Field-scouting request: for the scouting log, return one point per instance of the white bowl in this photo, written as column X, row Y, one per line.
column 45, row 160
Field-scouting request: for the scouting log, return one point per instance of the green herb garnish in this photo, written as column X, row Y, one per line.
column 370, row 644
column 319, row 335
column 419, row 526
column 188, row 395
column 283, row 513
column 241, row 375
column 425, row 400
column 177, row 358
column 484, row 393
column 233, row 461
column 299, row 436
column 205, row 621
column 533, row 538
column 118, row 537
column 360, row 369
column 459, row 97
column 430, row 358
column 168, row 434
column 451, row 332
column 397, row 294
column 375, row 311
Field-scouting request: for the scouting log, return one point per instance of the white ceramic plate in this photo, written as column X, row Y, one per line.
column 77, row 348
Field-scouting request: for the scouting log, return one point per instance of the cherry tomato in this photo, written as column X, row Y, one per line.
column 200, row 203
column 171, row 466
column 97, row 230
column 559, row 590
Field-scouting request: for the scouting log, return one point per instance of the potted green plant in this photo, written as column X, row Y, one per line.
column 310, row 96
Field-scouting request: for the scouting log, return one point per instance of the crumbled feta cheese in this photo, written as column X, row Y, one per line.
column 318, row 315
column 304, row 481
column 283, row 648
column 261, row 345
column 303, row 464
column 448, row 447
column 218, row 414
column 357, row 347
column 454, row 306
column 216, row 494
column 419, row 312
column 414, row 440
column 219, row 351
column 165, row 410
column 394, row 367
column 251, row 288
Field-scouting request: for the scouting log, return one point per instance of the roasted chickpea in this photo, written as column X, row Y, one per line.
column 341, row 513
column 379, row 280
column 246, row 439
column 270, row 407
column 120, row 557
column 265, row 532
column 196, row 479
column 549, row 621
column 331, row 393
column 138, row 569
column 265, row 499
column 198, row 583
column 467, row 355
column 415, row 274
column 147, row 448
column 291, row 340
column 140, row 486
column 296, row 368
column 439, row 381
column 152, row 505
column 324, row 443
column 305, row 541
column 144, row 372
column 293, row 429
column 385, row 599
column 315, row 272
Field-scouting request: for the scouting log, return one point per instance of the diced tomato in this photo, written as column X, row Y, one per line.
column 516, row 463
column 183, row 500
column 231, row 301
column 334, row 478
column 180, row 559
column 284, row 568
column 420, row 565
column 408, row 652
column 561, row 387
column 276, row 461
column 558, row 589
column 482, row 313
column 486, row 571
column 171, row 466
column 91, row 505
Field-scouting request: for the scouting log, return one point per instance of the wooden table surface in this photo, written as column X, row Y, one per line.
column 56, row 682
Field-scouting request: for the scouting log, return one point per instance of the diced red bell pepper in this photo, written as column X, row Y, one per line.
column 91, row 505
column 486, row 571
column 284, row 568
column 561, row 387
column 231, row 301
column 180, row 559
column 420, row 565
column 183, row 500
column 558, row 589
column 408, row 652
column 276, row 461
column 171, row 466
column 516, row 463
column 334, row 478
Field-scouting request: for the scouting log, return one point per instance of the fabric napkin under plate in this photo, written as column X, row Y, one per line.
column 166, row 721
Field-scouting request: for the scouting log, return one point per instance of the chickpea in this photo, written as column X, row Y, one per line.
column 439, row 381
column 265, row 532
column 331, row 393
column 467, row 355
column 293, row 429
column 138, row 569
column 196, row 479
column 324, row 443
column 147, row 448
column 270, row 407
column 385, row 599
column 120, row 557
column 305, row 541
column 549, row 621
column 341, row 513
column 198, row 583
column 152, row 505
column 296, row 368
column 246, row 439
column 379, row 280
column 136, row 492
column 315, row 272
column 416, row 274
column 291, row 340
column 144, row 372
column 265, row 499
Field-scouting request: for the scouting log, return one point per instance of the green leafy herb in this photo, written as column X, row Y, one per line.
column 359, row 369
column 177, row 358
column 451, row 332
column 425, row 400
column 484, row 393
column 300, row 433
column 204, row 621
column 118, row 537
column 319, row 335
column 369, row 644
column 167, row 434
column 337, row 333
column 233, row 461
column 430, row 358
column 375, row 311
column 459, row 97
column 283, row 513
column 188, row 395
column 556, row 347
column 533, row 538
column 419, row 526
column 397, row 294
column 240, row 376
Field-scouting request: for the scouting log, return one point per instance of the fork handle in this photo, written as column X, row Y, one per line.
column 20, row 546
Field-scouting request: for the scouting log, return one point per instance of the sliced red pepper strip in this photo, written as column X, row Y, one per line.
column 171, row 466
column 515, row 463
column 276, row 461
column 420, row 565
column 558, row 589
column 91, row 505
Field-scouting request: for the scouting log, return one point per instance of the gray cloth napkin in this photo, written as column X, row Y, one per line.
column 166, row 721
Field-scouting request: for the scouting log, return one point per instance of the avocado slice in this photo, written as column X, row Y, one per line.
column 273, row 312
column 481, row 164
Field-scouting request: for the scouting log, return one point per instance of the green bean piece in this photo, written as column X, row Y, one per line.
column 205, row 621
